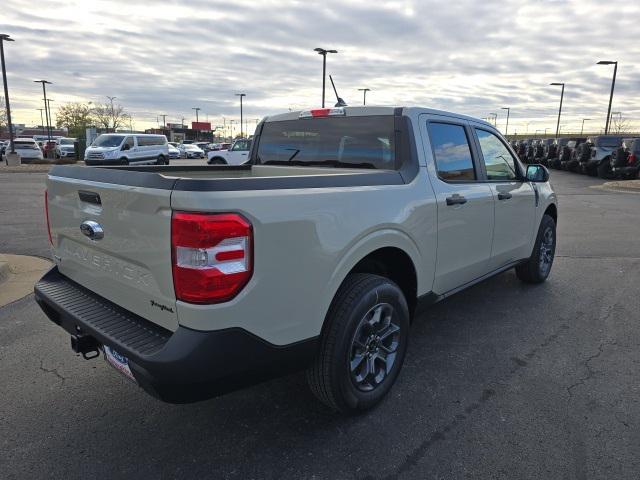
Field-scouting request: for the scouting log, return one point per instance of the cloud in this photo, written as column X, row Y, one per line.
column 466, row 56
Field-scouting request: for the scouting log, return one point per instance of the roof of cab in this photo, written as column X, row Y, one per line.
column 379, row 110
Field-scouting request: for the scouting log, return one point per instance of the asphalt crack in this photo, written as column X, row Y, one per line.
column 412, row 459
column 590, row 371
column 54, row 371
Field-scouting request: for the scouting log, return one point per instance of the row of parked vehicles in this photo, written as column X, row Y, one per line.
column 140, row 148
column 604, row 156
column 31, row 150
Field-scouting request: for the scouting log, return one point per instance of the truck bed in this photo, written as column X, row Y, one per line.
column 229, row 178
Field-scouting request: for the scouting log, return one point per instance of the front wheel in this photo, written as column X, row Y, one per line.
column 604, row 169
column 217, row 161
column 363, row 344
column 537, row 268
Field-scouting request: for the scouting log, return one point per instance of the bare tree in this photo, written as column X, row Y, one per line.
column 76, row 117
column 620, row 125
column 110, row 116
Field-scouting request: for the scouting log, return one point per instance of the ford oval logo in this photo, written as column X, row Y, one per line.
column 92, row 229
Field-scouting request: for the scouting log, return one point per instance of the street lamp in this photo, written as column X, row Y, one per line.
column 495, row 119
column 164, row 120
column 582, row 128
column 46, row 106
column 560, row 109
column 613, row 84
column 323, row 52
column 41, row 119
column 364, row 93
column 5, row 38
column 611, row 119
column 241, row 95
column 507, row 126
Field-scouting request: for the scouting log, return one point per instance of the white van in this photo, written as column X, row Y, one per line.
column 123, row 149
column 27, row 148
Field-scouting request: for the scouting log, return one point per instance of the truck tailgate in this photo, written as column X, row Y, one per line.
column 131, row 264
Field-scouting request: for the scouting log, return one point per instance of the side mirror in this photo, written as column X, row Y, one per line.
column 126, row 146
column 537, row 173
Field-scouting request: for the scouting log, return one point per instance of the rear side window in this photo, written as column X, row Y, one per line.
column 353, row 142
column 498, row 161
column 452, row 152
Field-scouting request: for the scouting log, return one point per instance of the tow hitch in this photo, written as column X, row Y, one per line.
column 85, row 345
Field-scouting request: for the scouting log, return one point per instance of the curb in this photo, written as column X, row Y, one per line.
column 18, row 275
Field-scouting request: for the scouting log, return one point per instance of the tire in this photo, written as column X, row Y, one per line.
column 537, row 268
column 124, row 161
column 217, row 161
column 604, row 169
column 351, row 344
column 161, row 160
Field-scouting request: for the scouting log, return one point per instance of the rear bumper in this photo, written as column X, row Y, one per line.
column 177, row 367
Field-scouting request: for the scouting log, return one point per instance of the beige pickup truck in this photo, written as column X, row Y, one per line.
column 316, row 255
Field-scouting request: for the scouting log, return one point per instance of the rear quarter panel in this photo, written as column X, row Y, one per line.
column 306, row 242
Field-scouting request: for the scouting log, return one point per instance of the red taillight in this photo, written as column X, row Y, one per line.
column 632, row 159
column 46, row 212
column 212, row 256
column 323, row 112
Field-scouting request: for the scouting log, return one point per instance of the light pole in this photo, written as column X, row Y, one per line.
column 231, row 122
column 241, row 95
column 164, row 120
column 5, row 38
column 506, row 128
column 364, row 94
column 46, row 107
column 527, row 128
column 495, row 119
column 582, row 128
column 613, row 84
column 545, row 132
column 611, row 119
column 111, row 99
column 41, row 119
column 323, row 52
column 560, row 109
column 197, row 109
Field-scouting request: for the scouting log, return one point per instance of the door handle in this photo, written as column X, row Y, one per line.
column 504, row 196
column 456, row 199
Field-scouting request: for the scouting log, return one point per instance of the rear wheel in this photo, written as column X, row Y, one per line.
column 363, row 344
column 217, row 161
column 604, row 169
column 124, row 161
column 161, row 160
column 537, row 268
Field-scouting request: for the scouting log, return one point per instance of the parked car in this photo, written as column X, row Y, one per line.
column 522, row 149
column 314, row 256
column 545, row 148
column 204, row 146
column 625, row 161
column 65, row 147
column 532, row 148
column 569, row 152
column 555, row 154
column 124, row 149
column 174, row 153
column 598, row 161
column 191, row 150
column 236, row 155
column 27, row 148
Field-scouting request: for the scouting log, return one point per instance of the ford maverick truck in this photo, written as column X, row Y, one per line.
column 316, row 255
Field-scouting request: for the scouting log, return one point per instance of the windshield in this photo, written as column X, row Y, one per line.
column 66, row 141
column 25, row 145
column 108, row 141
column 191, row 147
column 354, row 142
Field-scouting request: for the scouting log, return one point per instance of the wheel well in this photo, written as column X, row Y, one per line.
column 552, row 211
column 397, row 266
column 218, row 158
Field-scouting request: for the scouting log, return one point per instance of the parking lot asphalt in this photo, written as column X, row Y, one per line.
column 503, row 380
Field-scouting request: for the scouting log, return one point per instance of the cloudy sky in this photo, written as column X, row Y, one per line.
column 467, row 56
